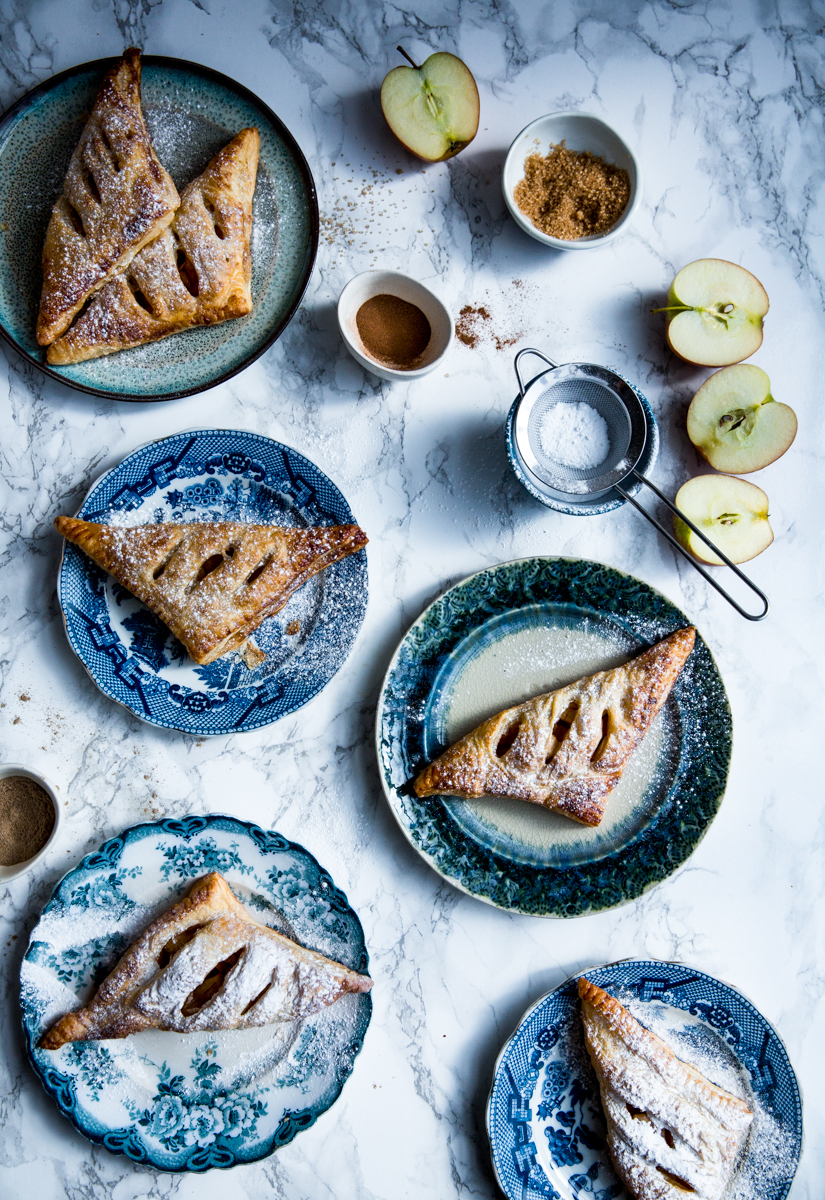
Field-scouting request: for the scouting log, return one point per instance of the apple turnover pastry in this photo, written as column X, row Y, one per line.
column 671, row 1133
column 205, row 965
column 212, row 583
column 198, row 272
column 116, row 198
column 565, row 750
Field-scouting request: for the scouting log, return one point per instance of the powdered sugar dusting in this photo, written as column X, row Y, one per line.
column 770, row 1154
column 574, row 435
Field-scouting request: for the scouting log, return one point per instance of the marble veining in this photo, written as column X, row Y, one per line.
column 723, row 105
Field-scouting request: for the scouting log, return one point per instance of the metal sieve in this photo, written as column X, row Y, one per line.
column 622, row 411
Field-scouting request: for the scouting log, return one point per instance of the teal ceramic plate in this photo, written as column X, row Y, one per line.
column 190, row 1102
column 515, row 631
column 191, row 112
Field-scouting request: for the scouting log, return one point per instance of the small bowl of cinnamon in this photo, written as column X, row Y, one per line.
column 570, row 181
column 30, row 819
column 393, row 325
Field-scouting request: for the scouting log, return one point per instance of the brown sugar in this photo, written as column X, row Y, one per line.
column 26, row 819
column 571, row 194
column 394, row 332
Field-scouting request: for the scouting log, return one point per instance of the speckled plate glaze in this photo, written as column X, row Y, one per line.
column 515, row 631
column 544, row 1115
column 191, row 112
column 212, row 475
column 188, row 1102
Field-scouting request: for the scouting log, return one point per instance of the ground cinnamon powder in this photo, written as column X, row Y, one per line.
column 26, row 819
column 394, row 332
column 570, row 194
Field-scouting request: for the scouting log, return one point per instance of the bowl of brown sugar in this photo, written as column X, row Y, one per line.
column 30, row 818
column 570, row 181
column 393, row 325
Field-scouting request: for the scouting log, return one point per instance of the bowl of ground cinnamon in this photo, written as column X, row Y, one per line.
column 30, row 818
column 570, row 181
column 393, row 325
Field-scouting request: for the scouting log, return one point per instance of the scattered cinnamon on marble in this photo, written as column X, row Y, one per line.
column 394, row 332
column 473, row 326
column 26, row 819
column 571, row 194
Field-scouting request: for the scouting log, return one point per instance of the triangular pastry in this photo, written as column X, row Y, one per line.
column 198, row 272
column 116, row 198
column 206, row 965
column 671, row 1133
column 567, row 749
column 212, row 583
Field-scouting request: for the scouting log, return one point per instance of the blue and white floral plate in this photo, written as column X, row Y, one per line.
column 544, row 1115
column 191, row 112
column 515, row 631
column 190, row 1102
column 212, row 475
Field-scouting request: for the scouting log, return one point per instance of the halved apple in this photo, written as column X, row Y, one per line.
column 715, row 311
column 432, row 109
column 731, row 512
column 736, row 424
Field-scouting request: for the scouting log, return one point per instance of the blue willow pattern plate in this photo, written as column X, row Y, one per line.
column 191, row 1102
column 544, row 1115
column 471, row 843
column 212, row 475
column 191, row 112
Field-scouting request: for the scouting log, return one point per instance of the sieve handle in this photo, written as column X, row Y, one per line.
column 748, row 616
column 520, row 356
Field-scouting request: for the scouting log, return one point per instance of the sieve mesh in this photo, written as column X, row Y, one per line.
column 607, row 404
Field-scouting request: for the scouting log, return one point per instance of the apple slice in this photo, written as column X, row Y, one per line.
column 432, row 109
column 731, row 512
column 736, row 424
column 714, row 311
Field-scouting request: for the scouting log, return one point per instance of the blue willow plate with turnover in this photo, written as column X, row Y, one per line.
column 212, row 475
column 544, row 1115
column 190, row 1102
column 515, row 631
column 191, row 112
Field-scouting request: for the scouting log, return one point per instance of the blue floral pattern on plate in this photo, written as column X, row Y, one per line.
column 544, row 1115
column 188, row 1103
column 212, row 475
column 487, row 606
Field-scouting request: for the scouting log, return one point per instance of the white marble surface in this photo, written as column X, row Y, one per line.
column 721, row 104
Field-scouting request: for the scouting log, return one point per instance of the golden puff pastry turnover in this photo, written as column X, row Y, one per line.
column 116, row 198
column 212, row 583
column 198, row 272
column 565, row 750
column 671, row 1133
column 206, row 965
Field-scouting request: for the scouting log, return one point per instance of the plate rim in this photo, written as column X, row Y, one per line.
column 667, row 962
column 457, row 883
column 116, row 699
column 40, row 90
column 203, row 822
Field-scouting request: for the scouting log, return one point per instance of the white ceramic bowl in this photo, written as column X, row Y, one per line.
column 394, row 283
column 579, row 131
column 7, row 769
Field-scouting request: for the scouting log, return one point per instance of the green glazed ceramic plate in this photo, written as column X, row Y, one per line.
column 515, row 631
column 191, row 112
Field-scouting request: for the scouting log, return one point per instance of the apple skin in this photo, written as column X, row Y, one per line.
column 715, row 310
column 433, row 109
column 735, row 423
column 732, row 512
